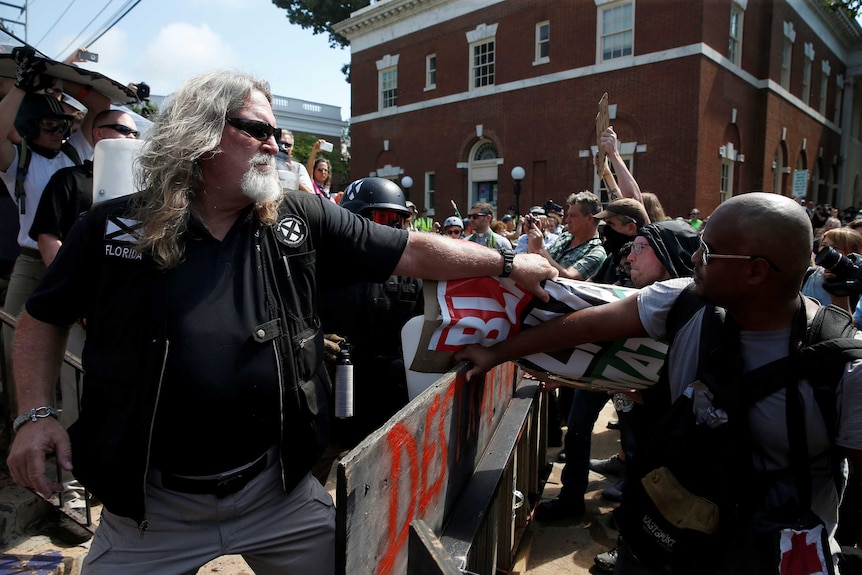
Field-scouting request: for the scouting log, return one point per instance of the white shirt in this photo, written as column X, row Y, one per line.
column 38, row 173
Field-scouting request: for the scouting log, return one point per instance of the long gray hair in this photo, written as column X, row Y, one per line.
column 188, row 128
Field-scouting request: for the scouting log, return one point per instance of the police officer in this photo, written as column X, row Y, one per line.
column 370, row 317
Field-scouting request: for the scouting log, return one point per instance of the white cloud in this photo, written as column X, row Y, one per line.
column 181, row 50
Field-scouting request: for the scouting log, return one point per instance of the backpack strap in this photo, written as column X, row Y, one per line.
column 24, row 157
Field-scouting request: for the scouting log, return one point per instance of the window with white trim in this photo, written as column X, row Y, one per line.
column 787, row 54
column 734, row 49
column 483, row 64
column 481, row 41
column 839, row 97
column 430, row 71
column 807, row 65
column 543, row 43
column 616, row 30
column 387, row 78
column 430, row 187
column 599, row 185
column 726, row 186
column 825, row 70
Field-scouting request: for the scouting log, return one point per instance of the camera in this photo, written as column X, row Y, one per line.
column 847, row 270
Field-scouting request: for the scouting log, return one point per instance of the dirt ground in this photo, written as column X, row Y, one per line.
column 563, row 548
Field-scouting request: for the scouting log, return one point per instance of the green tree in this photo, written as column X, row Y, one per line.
column 320, row 15
column 148, row 110
column 852, row 7
column 302, row 144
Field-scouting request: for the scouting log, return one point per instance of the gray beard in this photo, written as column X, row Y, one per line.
column 261, row 187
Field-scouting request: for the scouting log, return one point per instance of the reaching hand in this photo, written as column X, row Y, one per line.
column 27, row 68
column 530, row 270
column 33, row 442
column 482, row 359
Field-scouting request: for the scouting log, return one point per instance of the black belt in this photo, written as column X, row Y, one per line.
column 31, row 253
column 221, row 485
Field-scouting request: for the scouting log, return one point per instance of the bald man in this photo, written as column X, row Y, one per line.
column 751, row 261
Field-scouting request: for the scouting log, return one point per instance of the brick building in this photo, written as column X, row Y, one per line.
column 710, row 98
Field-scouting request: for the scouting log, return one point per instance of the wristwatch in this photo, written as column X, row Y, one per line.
column 508, row 261
column 33, row 415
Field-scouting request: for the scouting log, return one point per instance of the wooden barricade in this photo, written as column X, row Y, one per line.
column 422, row 465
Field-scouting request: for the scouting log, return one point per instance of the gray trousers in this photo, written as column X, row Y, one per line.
column 277, row 533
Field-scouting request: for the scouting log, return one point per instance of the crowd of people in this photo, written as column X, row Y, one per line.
column 236, row 271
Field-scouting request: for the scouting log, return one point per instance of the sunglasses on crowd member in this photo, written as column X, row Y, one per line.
column 54, row 126
column 324, row 170
column 284, row 148
column 454, row 232
column 706, row 255
column 121, row 129
column 479, row 215
column 260, row 131
column 387, row 218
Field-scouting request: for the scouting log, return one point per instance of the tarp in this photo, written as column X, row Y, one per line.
column 487, row 310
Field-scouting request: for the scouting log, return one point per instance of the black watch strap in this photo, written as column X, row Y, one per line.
column 508, row 261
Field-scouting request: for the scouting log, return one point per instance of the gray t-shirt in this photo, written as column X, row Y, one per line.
column 767, row 417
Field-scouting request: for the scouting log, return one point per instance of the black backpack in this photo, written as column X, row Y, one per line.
column 691, row 494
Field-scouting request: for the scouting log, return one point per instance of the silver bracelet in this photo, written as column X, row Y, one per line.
column 33, row 415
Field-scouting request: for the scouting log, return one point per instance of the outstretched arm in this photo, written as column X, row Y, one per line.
column 608, row 322
column 431, row 256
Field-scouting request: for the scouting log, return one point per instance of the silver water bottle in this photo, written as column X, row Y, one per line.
column 344, row 384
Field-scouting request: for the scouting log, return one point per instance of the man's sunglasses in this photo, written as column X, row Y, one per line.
column 121, row 129
column 476, row 216
column 260, row 131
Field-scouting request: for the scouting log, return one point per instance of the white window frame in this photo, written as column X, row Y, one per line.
column 734, row 48
column 787, row 55
column 807, row 66
column 825, row 71
column 725, row 182
column 387, row 69
column 431, row 72
column 606, row 11
column 839, row 98
column 430, row 185
column 482, row 36
column 541, row 43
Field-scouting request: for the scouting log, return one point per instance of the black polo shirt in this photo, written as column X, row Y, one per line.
column 68, row 193
column 219, row 400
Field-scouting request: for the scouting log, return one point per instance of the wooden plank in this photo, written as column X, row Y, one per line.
column 602, row 123
column 492, row 479
column 415, row 467
column 426, row 555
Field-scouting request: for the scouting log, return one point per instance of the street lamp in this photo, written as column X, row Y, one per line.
column 406, row 183
column 518, row 174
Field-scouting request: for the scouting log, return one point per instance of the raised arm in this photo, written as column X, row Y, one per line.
column 608, row 322
column 94, row 101
column 628, row 186
column 431, row 256
column 309, row 163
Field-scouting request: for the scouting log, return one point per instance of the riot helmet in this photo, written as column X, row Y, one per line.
column 368, row 194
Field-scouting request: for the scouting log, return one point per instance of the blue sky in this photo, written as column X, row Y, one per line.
column 163, row 42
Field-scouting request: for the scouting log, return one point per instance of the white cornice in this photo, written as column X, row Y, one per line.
column 390, row 19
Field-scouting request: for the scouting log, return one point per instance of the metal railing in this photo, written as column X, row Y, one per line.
column 85, row 521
